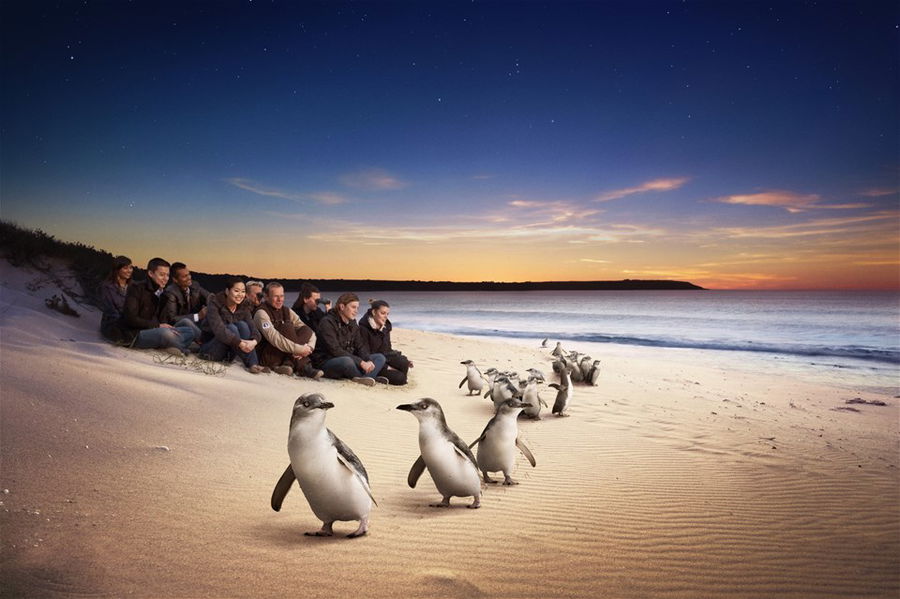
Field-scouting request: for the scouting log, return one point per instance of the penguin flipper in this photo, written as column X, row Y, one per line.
column 415, row 472
column 526, row 452
column 465, row 378
column 462, row 449
column 349, row 460
column 282, row 487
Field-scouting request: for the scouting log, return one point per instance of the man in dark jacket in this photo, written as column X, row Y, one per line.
column 184, row 302
column 141, row 316
column 340, row 350
column 307, row 306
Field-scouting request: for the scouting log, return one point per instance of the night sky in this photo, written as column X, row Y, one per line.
column 730, row 144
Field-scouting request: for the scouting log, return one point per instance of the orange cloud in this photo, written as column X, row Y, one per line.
column 789, row 200
column 655, row 185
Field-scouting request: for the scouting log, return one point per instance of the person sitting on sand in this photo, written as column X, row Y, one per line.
column 376, row 333
column 140, row 318
column 184, row 300
column 287, row 343
column 229, row 329
column 254, row 295
column 112, row 298
column 307, row 306
column 340, row 349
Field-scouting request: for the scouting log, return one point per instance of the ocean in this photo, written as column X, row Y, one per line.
column 816, row 332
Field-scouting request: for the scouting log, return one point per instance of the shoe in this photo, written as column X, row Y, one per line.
column 265, row 370
column 310, row 372
column 174, row 351
column 256, row 369
column 286, row 370
column 382, row 379
column 364, row 380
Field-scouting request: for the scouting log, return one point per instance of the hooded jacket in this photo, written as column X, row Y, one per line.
column 336, row 338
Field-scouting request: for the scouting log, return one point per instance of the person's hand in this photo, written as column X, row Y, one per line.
column 367, row 367
column 165, row 325
column 410, row 364
column 202, row 313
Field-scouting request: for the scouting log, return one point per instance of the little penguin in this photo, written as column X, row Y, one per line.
column 330, row 475
column 502, row 389
column 585, row 365
column 595, row 373
column 473, row 376
column 563, row 395
column 450, row 462
column 532, row 399
column 498, row 442
column 558, row 350
column 544, row 343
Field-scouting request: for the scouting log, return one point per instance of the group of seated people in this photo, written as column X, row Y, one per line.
column 250, row 321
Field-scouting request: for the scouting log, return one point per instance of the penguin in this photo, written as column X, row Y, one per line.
column 502, row 389
column 536, row 374
column 595, row 373
column 473, row 376
column 532, row 399
column 558, row 350
column 489, row 375
column 563, row 395
column 575, row 372
column 585, row 366
column 498, row 442
column 450, row 462
column 544, row 343
column 330, row 475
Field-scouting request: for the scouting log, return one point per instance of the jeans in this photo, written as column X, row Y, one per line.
column 219, row 352
column 194, row 326
column 180, row 337
column 344, row 367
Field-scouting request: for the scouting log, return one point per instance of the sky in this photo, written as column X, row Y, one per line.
column 735, row 145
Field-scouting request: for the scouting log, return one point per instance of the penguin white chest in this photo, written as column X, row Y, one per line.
column 332, row 490
column 452, row 473
column 497, row 451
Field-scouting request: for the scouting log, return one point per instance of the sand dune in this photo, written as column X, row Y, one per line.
column 122, row 475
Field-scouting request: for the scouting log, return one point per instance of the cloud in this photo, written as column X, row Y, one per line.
column 324, row 197
column 789, row 200
column 547, row 213
column 877, row 192
column 824, row 226
column 374, row 179
column 594, row 261
column 655, row 185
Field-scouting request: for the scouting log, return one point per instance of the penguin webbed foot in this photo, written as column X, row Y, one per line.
column 488, row 479
column 361, row 531
column 508, row 481
column 475, row 504
column 325, row 531
column 444, row 503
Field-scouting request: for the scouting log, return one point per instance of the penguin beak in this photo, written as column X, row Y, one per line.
column 325, row 405
column 407, row 407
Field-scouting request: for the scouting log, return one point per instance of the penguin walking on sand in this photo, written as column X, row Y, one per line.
column 450, row 462
column 498, row 442
column 330, row 475
column 594, row 374
column 502, row 389
column 558, row 350
column 563, row 395
column 532, row 399
column 473, row 376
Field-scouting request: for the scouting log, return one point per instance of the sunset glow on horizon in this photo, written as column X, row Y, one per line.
column 732, row 145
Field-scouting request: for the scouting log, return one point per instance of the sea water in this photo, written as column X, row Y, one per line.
column 819, row 332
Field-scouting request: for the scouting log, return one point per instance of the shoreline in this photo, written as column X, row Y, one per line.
column 673, row 478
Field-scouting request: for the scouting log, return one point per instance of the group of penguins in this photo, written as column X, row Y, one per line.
column 571, row 367
column 336, row 484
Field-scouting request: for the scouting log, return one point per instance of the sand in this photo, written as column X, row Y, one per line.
column 674, row 477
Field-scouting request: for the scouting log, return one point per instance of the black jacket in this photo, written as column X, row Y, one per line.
column 335, row 338
column 218, row 316
column 378, row 341
column 143, row 301
column 312, row 319
column 176, row 306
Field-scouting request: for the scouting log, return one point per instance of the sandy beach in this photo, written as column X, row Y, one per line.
column 125, row 475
